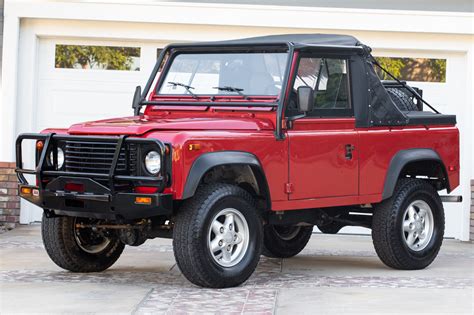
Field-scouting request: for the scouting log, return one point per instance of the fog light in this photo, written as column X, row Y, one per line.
column 143, row 200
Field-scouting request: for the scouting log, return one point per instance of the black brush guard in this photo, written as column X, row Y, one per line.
column 97, row 200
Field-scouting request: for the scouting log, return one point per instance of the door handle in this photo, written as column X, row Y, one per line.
column 349, row 149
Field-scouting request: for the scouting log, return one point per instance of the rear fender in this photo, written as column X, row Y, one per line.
column 402, row 159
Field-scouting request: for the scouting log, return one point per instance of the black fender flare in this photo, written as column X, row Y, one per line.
column 400, row 160
column 209, row 160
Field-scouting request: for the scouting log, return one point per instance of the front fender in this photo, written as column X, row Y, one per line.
column 209, row 160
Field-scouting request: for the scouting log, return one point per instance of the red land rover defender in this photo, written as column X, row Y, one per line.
column 242, row 147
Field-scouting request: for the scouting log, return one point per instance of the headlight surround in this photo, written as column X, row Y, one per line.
column 60, row 158
column 153, row 162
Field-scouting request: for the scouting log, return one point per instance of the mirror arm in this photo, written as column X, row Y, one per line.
column 291, row 119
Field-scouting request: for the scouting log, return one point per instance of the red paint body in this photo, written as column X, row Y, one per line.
column 310, row 160
column 311, row 156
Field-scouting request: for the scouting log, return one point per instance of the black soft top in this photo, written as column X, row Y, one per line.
column 373, row 105
column 303, row 39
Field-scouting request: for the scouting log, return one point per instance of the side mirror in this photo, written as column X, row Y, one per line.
column 305, row 100
column 136, row 100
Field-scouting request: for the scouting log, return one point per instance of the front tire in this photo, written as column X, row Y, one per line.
column 408, row 228
column 285, row 241
column 79, row 249
column 217, row 236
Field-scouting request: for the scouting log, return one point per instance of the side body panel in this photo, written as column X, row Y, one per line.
column 271, row 154
column 379, row 145
column 321, row 164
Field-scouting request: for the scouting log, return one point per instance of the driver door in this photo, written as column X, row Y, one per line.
column 323, row 146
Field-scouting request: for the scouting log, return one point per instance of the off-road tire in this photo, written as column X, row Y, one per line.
column 190, row 236
column 387, row 226
column 401, row 100
column 275, row 246
column 62, row 247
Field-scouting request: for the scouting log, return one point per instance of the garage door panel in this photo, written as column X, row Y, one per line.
column 71, row 103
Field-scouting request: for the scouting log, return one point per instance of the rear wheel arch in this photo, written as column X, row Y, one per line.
column 235, row 167
column 412, row 163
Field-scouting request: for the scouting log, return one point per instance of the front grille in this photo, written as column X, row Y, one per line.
column 97, row 157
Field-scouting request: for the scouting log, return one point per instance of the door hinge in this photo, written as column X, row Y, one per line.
column 289, row 188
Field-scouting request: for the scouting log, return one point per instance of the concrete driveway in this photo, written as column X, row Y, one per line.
column 334, row 274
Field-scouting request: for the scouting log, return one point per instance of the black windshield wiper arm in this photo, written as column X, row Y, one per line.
column 231, row 89
column 187, row 87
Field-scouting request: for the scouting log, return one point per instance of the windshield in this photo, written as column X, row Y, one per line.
column 243, row 74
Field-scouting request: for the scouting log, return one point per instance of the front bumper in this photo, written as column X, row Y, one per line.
column 97, row 201
column 94, row 200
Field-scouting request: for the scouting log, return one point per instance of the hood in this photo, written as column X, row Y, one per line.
column 141, row 125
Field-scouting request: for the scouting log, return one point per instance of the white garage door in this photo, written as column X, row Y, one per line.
column 69, row 91
column 81, row 80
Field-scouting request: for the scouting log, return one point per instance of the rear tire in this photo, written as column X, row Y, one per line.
column 78, row 251
column 281, row 241
column 408, row 228
column 217, row 236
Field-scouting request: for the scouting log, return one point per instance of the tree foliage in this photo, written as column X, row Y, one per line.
column 413, row 69
column 96, row 57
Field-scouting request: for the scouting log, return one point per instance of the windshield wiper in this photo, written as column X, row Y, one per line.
column 187, row 87
column 231, row 89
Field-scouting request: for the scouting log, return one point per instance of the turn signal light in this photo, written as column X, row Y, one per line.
column 143, row 200
column 26, row 190
column 194, row 146
column 39, row 145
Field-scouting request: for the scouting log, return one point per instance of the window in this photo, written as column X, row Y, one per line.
column 328, row 77
column 413, row 69
column 97, row 57
column 243, row 73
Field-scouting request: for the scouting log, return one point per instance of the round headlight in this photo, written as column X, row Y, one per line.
column 153, row 162
column 60, row 158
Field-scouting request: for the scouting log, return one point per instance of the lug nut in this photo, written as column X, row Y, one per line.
column 221, row 242
column 229, row 248
column 230, row 226
column 221, row 230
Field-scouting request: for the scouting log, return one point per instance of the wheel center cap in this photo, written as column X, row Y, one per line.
column 228, row 237
column 418, row 225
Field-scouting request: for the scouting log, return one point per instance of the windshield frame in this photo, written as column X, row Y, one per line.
column 216, row 99
column 161, row 84
column 277, row 104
